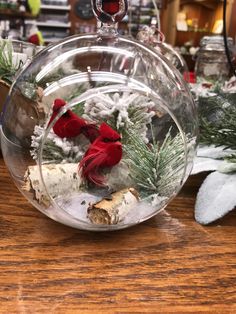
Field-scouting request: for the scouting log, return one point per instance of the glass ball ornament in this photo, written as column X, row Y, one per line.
column 99, row 131
column 150, row 36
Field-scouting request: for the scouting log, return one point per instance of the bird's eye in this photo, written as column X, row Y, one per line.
column 106, row 140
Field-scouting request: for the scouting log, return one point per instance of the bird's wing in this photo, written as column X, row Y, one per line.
column 72, row 127
column 91, row 132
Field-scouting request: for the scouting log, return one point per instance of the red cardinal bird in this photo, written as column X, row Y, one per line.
column 70, row 125
column 105, row 151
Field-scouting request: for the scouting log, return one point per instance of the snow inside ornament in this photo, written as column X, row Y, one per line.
column 99, row 131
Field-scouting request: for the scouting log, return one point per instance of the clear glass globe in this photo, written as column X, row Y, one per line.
column 150, row 36
column 99, row 132
column 174, row 57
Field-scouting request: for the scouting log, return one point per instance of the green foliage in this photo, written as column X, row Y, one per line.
column 7, row 68
column 218, row 121
column 138, row 119
column 155, row 168
column 231, row 158
column 54, row 153
column 50, row 78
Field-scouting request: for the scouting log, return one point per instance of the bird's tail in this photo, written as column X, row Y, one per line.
column 90, row 170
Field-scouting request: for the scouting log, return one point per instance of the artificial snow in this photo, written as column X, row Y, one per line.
column 119, row 177
column 200, row 90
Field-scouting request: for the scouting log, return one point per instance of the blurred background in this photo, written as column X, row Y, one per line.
column 183, row 22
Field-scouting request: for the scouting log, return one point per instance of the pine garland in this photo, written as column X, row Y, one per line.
column 156, row 169
column 218, row 121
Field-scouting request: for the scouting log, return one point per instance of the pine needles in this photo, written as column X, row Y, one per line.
column 156, row 169
column 217, row 121
column 55, row 150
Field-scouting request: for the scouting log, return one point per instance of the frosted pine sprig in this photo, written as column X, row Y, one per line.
column 121, row 111
column 56, row 149
column 220, row 130
column 156, row 168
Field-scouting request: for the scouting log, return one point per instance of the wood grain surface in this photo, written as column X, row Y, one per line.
column 169, row 264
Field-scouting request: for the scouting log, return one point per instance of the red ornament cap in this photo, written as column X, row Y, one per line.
column 110, row 11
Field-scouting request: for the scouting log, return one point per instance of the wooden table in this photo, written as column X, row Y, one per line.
column 169, row 264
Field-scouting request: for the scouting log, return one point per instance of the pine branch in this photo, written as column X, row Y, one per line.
column 157, row 168
column 217, row 121
column 121, row 111
column 56, row 150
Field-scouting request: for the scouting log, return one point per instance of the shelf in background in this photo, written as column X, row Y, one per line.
column 50, row 24
column 55, row 7
column 52, row 40
column 189, row 36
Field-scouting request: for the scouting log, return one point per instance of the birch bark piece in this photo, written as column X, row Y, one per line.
column 112, row 211
column 60, row 179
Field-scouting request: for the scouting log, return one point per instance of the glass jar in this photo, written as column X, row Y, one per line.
column 99, row 131
column 211, row 63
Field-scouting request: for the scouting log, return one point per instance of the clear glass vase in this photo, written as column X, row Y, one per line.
column 99, row 131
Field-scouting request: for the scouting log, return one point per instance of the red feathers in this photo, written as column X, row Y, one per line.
column 110, row 7
column 70, row 125
column 105, row 151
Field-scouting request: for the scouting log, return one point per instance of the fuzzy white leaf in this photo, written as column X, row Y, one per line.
column 227, row 167
column 201, row 164
column 216, row 197
column 211, row 151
